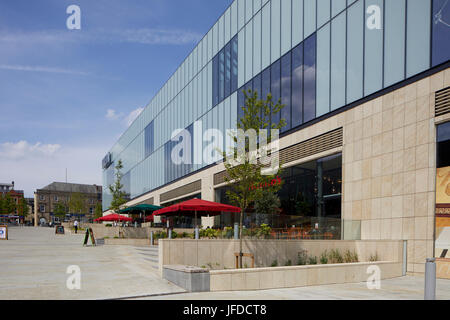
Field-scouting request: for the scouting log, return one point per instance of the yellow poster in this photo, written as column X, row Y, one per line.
column 443, row 188
column 442, row 243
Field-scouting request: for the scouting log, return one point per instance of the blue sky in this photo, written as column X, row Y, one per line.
column 67, row 95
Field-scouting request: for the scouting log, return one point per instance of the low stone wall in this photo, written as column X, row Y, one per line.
column 101, row 231
column 128, row 242
column 443, row 268
column 220, row 253
column 299, row 276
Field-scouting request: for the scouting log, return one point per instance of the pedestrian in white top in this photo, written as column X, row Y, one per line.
column 75, row 224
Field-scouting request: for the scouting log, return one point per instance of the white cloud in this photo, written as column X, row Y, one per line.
column 22, row 149
column 143, row 36
column 111, row 114
column 41, row 164
column 132, row 116
column 42, row 69
column 127, row 120
column 158, row 36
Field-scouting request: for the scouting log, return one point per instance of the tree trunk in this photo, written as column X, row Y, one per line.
column 240, row 237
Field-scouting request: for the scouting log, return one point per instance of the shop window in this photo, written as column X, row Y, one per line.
column 442, row 240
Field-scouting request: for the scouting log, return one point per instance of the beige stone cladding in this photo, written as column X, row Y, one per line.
column 389, row 164
column 390, row 167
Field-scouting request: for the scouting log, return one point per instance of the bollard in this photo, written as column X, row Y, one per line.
column 151, row 238
column 170, row 233
column 236, row 231
column 430, row 279
column 197, row 233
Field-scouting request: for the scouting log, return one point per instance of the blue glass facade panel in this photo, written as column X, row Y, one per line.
column 414, row 36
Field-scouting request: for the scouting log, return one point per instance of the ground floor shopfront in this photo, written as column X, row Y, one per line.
column 376, row 167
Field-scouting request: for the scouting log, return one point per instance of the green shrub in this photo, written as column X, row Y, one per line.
column 302, row 258
column 160, row 235
column 374, row 257
column 335, row 256
column 108, row 225
column 312, row 260
column 324, row 257
column 105, row 237
column 227, row 233
column 274, row 263
column 174, row 235
column 116, row 237
column 209, row 233
column 288, row 263
column 263, row 231
column 350, row 257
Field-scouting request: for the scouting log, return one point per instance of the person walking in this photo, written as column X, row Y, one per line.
column 75, row 224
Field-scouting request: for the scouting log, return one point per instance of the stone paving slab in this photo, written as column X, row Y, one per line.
column 404, row 288
column 33, row 265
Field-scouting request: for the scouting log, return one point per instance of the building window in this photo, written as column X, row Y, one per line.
column 310, row 198
column 441, row 31
column 91, row 210
column 286, row 90
column 41, row 208
column 225, row 72
column 55, row 198
column 42, row 198
column 149, row 139
column 442, row 230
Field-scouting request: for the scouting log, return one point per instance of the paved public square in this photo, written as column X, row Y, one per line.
column 405, row 288
column 34, row 263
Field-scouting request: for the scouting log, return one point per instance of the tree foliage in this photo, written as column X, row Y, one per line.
column 22, row 207
column 269, row 203
column 77, row 203
column 118, row 194
column 7, row 204
column 243, row 176
column 98, row 210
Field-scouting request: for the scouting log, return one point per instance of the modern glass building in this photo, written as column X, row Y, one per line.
column 364, row 84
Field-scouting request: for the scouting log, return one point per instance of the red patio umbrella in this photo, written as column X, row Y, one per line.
column 197, row 205
column 113, row 217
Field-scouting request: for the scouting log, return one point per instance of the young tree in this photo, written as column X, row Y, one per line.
column 245, row 174
column 98, row 211
column 269, row 203
column 9, row 206
column 60, row 210
column 119, row 196
column 77, row 203
column 22, row 207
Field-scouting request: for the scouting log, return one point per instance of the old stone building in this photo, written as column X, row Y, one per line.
column 57, row 194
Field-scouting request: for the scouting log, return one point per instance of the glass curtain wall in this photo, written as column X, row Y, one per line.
column 338, row 51
column 310, row 199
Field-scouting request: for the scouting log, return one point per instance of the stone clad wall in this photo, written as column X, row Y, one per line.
column 220, row 253
column 389, row 167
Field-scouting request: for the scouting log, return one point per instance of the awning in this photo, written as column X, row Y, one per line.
column 141, row 207
column 113, row 217
column 198, row 205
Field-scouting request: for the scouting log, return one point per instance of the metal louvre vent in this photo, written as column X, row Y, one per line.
column 181, row 191
column 442, row 102
column 148, row 201
column 325, row 142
